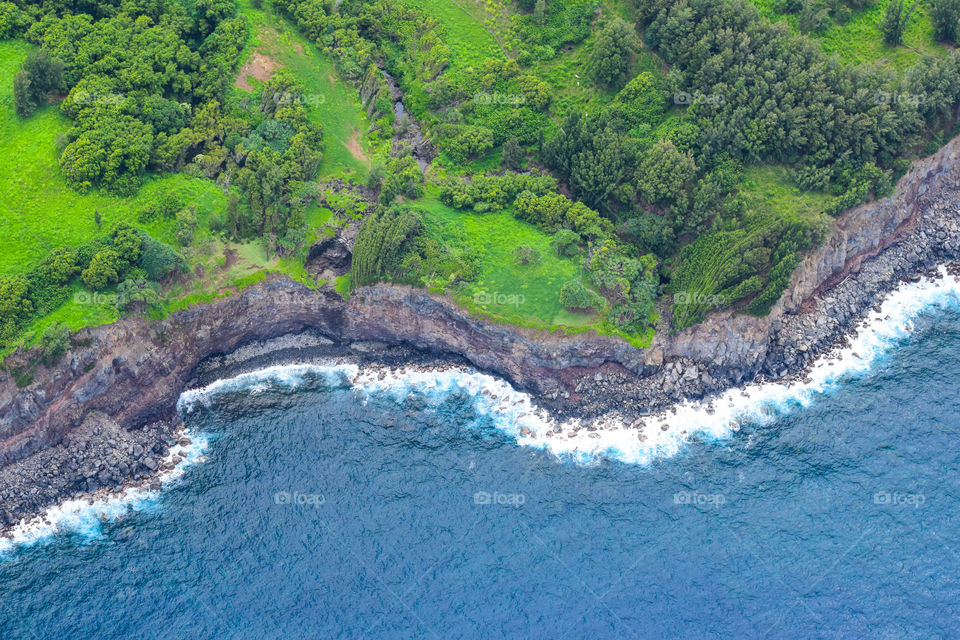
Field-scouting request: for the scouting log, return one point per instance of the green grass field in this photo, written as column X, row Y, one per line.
column 506, row 290
column 859, row 39
column 38, row 210
column 332, row 101
column 770, row 188
column 469, row 39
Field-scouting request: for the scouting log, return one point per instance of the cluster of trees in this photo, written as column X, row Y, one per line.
column 272, row 164
column 493, row 192
column 147, row 90
column 40, row 76
column 138, row 76
column 124, row 257
column 783, row 100
column 393, row 246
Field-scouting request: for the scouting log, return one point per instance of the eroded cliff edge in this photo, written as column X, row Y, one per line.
column 127, row 379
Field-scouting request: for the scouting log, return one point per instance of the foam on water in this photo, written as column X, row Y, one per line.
column 641, row 440
column 85, row 516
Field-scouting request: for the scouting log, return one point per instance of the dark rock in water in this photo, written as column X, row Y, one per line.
column 116, row 392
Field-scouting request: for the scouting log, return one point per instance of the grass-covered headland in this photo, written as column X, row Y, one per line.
column 611, row 165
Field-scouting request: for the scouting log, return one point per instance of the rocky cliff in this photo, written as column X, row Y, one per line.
column 131, row 373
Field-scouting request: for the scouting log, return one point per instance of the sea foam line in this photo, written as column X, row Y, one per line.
column 85, row 516
column 638, row 441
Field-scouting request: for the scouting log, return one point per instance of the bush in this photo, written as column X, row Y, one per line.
column 576, row 297
column 526, row 256
column 160, row 261
column 54, row 343
column 104, row 269
column 566, row 243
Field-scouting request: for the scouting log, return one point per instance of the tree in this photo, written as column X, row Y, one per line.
column 895, row 22
column 104, row 269
column 23, row 101
column 54, row 343
column 385, row 238
column 642, row 100
column 565, row 242
column 40, row 75
column 540, row 12
column 610, row 57
column 576, row 297
column 512, row 155
column 186, row 223
column 665, row 175
column 128, row 244
column 160, row 261
column 137, row 294
column 15, row 306
column 404, row 178
column 945, row 15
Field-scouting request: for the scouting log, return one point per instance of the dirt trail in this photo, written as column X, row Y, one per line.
column 259, row 66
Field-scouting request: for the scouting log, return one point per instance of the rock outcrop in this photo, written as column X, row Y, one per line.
column 132, row 372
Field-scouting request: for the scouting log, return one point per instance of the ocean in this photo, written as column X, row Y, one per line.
column 330, row 501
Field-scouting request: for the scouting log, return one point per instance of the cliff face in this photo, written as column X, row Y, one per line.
column 737, row 341
column 133, row 371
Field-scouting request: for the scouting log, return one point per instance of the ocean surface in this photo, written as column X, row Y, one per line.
column 327, row 501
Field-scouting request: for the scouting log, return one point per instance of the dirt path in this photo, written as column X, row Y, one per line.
column 259, row 66
column 356, row 148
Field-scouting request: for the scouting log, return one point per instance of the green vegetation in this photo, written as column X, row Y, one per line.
column 333, row 103
column 589, row 161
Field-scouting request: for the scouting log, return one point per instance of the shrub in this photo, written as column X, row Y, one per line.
column 576, row 297
column 160, row 261
column 104, row 269
column 54, row 343
column 526, row 256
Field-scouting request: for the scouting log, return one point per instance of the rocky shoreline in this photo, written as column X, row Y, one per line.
column 105, row 416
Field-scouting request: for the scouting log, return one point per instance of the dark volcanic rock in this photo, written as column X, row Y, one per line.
column 131, row 373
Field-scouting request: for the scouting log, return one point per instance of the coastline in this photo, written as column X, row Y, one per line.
column 105, row 418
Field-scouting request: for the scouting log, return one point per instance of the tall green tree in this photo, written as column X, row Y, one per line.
column 40, row 75
column 610, row 58
column 895, row 21
column 945, row 15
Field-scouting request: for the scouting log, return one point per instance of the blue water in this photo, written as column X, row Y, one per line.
column 323, row 512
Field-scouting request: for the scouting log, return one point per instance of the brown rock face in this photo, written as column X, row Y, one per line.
column 134, row 371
